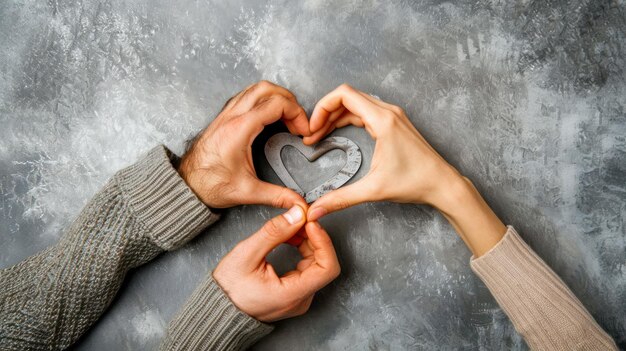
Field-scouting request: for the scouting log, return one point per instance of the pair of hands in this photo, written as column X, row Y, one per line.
column 219, row 169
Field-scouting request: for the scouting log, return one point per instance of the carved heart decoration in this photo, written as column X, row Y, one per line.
column 277, row 142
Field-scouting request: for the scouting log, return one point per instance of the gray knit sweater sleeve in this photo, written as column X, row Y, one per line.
column 49, row 300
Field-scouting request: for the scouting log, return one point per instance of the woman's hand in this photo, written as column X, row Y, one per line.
column 253, row 285
column 218, row 167
column 405, row 168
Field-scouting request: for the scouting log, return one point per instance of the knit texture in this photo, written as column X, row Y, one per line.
column 171, row 213
column 49, row 300
column 209, row 321
column 542, row 308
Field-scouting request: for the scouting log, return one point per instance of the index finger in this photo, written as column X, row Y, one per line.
column 273, row 109
column 253, row 94
column 344, row 97
column 323, row 270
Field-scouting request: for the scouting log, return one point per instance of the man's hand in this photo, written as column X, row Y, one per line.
column 253, row 285
column 218, row 167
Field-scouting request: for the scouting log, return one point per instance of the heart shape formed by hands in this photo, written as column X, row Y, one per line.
column 277, row 142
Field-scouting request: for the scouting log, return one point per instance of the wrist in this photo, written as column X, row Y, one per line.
column 458, row 195
column 185, row 175
column 472, row 218
column 453, row 190
column 188, row 178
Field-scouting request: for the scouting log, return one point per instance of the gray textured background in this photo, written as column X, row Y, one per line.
column 526, row 98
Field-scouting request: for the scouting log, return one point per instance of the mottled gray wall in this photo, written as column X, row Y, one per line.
column 526, row 98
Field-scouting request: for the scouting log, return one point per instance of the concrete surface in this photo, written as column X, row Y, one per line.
column 527, row 98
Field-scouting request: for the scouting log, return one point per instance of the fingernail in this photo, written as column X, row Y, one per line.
column 294, row 215
column 317, row 213
column 317, row 224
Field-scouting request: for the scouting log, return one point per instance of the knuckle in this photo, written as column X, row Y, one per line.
column 302, row 310
column 270, row 102
column 388, row 120
column 342, row 204
column 285, row 198
column 228, row 103
column 248, row 92
column 279, row 99
column 302, row 305
column 336, row 271
column 345, row 88
column 325, row 240
column 265, row 84
column 280, row 201
column 234, row 125
column 290, row 302
column 290, row 94
column 397, row 110
column 271, row 229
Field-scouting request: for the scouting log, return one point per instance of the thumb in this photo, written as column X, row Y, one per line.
column 341, row 199
column 273, row 233
column 264, row 193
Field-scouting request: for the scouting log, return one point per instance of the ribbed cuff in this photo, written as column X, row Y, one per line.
column 162, row 201
column 542, row 308
column 210, row 321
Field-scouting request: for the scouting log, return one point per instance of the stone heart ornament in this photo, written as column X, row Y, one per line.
column 277, row 142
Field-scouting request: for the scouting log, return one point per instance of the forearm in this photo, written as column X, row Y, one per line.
column 471, row 217
column 49, row 300
column 210, row 321
column 542, row 308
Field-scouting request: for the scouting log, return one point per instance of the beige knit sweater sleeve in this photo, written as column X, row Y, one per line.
column 542, row 308
column 50, row 299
